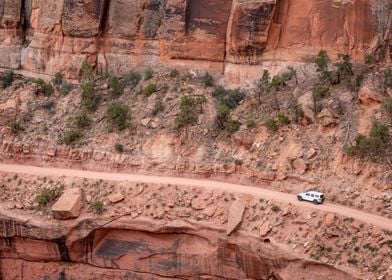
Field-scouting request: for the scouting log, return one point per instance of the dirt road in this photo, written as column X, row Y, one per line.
column 378, row 221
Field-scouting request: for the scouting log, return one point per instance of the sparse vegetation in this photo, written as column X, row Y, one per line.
column 132, row 79
column 71, row 136
column 374, row 146
column 87, row 71
column 47, row 196
column 275, row 208
column 15, row 127
column 89, row 97
column 119, row 148
column 115, row 87
column 150, row 89
column 174, row 73
column 283, row 119
column 158, row 107
column 97, row 206
column 82, row 120
column 322, row 61
column 148, row 74
column 7, row 79
column 190, row 108
column 387, row 79
column 387, row 105
column 118, row 115
column 271, row 124
column 208, row 80
column 43, row 87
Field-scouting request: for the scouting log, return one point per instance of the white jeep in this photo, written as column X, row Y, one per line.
column 312, row 196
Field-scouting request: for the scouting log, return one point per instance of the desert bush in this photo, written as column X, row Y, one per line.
column 82, row 120
column 7, row 78
column 369, row 59
column 271, row 124
column 190, row 108
column 174, row 73
column 97, row 206
column 89, row 97
column 119, row 148
column 132, row 79
column 250, row 123
column 275, row 208
column 263, row 86
column 47, row 196
column 148, row 74
column 208, row 80
column 87, row 71
column 387, row 105
column 150, row 89
column 387, row 81
column 374, row 146
column 344, row 68
column 15, row 127
column 115, row 87
column 322, row 61
column 43, row 87
column 71, row 136
column 158, row 107
column 296, row 110
column 58, row 79
column 283, row 119
column 49, row 105
column 118, row 115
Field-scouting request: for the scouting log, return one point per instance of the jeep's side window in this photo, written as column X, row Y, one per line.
column 312, row 195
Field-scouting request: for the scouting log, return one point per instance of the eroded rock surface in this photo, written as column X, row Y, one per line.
column 45, row 37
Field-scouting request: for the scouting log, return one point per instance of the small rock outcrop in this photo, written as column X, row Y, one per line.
column 235, row 216
column 68, row 206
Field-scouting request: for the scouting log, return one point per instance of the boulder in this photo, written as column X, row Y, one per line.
column 329, row 219
column 311, row 153
column 115, row 197
column 68, row 205
column 306, row 103
column 237, row 210
column 265, row 228
column 369, row 96
column 328, row 118
column 299, row 165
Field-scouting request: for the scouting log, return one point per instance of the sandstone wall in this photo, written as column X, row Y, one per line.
column 46, row 36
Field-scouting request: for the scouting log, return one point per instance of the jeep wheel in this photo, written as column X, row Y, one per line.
column 315, row 202
column 299, row 198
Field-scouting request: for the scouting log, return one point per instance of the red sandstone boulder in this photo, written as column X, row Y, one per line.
column 68, row 205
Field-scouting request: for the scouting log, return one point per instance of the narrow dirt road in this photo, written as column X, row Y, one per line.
column 378, row 221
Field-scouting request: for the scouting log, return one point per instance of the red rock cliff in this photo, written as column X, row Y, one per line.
column 48, row 36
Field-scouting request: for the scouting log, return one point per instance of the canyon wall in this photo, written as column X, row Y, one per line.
column 228, row 36
column 127, row 248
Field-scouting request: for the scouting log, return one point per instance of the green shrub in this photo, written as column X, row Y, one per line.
column 82, row 120
column 232, row 126
column 374, row 146
column 278, row 82
column 174, row 73
column 263, row 86
column 119, row 148
column 320, row 91
column 46, row 196
column 208, row 80
column 190, row 108
column 150, row 89
column 321, row 62
column 283, row 119
column 49, row 105
column 271, row 124
column 387, row 105
column 65, row 88
column 89, row 98
column 387, row 79
column 132, row 79
column 119, row 115
column 15, row 127
column 7, row 79
column 158, row 107
column 115, row 87
column 97, row 206
column 296, row 110
column 58, row 79
column 275, row 208
column 148, row 74
column 369, row 59
column 43, row 87
column 71, row 136
column 250, row 123
column 87, row 71
column 344, row 67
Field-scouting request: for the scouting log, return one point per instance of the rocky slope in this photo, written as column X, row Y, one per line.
column 234, row 37
column 148, row 231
